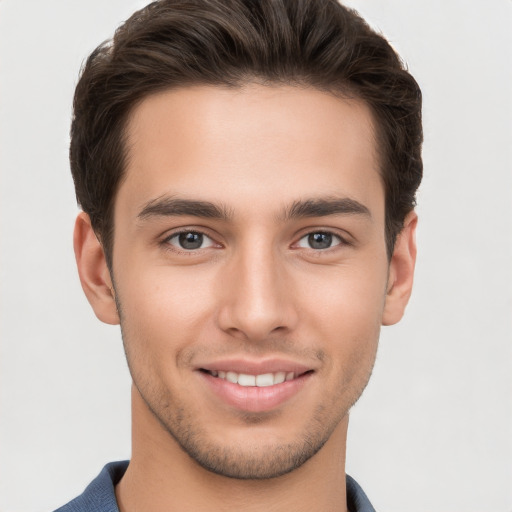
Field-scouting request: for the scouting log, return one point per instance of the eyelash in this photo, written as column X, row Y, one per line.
column 342, row 241
column 166, row 241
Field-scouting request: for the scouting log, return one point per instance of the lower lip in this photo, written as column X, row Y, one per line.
column 254, row 398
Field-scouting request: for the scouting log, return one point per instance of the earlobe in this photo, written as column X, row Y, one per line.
column 93, row 271
column 401, row 272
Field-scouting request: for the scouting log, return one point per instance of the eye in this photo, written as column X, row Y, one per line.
column 190, row 240
column 320, row 240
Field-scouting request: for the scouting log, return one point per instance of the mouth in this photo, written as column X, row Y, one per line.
column 261, row 380
column 257, row 387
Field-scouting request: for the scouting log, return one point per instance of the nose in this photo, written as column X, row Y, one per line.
column 257, row 296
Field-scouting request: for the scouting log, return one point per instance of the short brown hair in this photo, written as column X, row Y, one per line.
column 172, row 43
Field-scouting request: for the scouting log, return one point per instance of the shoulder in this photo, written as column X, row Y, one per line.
column 99, row 496
column 357, row 501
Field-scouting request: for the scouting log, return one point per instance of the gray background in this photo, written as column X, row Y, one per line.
column 433, row 431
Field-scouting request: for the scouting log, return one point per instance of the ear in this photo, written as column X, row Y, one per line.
column 93, row 271
column 401, row 272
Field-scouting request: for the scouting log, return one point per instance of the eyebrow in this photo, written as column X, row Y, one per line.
column 171, row 206
column 320, row 207
column 323, row 207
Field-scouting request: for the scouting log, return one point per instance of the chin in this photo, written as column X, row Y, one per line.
column 259, row 447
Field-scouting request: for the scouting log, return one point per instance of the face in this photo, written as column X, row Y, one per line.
column 250, row 269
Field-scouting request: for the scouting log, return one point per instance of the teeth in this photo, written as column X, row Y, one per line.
column 279, row 377
column 232, row 377
column 267, row 379
column 246, row 380
column 263, row 380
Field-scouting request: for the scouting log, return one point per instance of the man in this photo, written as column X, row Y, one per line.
column 247, row 173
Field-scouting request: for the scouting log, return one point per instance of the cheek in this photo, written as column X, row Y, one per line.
column 344, row 312
column 164, row 308
column 346, row 296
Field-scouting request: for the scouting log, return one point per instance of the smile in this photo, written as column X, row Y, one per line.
column 253, row 389
column 246, row 380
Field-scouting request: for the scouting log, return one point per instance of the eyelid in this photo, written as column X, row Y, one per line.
column 165, row 241
column 343, row 239
column 305, row 237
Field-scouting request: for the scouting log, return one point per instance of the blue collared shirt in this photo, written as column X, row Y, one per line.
column 99, row 496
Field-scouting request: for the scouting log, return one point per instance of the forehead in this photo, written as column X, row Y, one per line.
column 266, row 145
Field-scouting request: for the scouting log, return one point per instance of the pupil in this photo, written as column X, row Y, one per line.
column 320, row 240
column 191, row 240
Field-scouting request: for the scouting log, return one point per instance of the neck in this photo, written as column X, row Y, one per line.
column 162, row 477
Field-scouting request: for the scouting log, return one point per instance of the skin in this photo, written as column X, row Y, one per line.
column 256, row 290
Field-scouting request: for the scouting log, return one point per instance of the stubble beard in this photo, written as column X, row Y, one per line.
column 243, row 462
column 247, row 461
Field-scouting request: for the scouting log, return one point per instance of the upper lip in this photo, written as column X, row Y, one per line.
column 256, row 367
